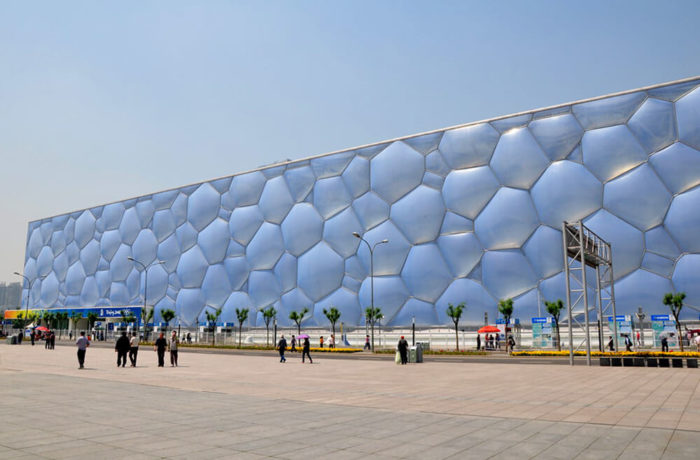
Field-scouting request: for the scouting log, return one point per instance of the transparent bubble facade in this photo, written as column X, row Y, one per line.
column 473, row 214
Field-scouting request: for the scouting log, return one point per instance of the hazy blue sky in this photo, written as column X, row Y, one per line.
column 101, row 101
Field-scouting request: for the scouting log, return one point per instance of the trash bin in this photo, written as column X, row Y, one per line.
column 419, row 353
column 412, row 354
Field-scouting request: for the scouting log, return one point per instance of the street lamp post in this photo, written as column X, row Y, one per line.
column 640, row 316
column 145, row 282
column 29, row 291
column 371, row 269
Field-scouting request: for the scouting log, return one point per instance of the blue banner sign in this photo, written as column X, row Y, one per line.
column 542, row 320
column 660, row 318
column 620, row 318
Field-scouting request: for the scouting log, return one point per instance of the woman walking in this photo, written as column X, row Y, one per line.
column 305, row 350
column 174, row 342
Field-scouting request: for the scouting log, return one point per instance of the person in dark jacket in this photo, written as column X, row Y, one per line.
column 305, row 350
column 282, row 347
column 611, row 344
column 294, row 343
column 160, row 346
column 664, row 343
column 122, row 348
column 403, row 350
column 478, row 342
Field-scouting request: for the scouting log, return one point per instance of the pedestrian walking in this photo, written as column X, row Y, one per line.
column 32, row 336
column 498, row 341
column 134, row 348
column 664, row 344
column 189, row 338
column 367, row 347
column 174, row 342
column 320, row 341
column 639, row 339
column 402, row 346
column 282, row 347
column 82, row 343
column 305, row 350
column 478, row 342
column 47, row 341
column 331, row 341
column 53, row 340
column 511, row 343
column 70, row 335
column 294, row 343
column 628, row 343
column 122, row 348
column 611, row 344
column 159, row 346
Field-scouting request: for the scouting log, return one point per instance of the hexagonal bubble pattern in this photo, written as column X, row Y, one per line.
column 345, row 301
column 425, row 272
column 371, row 210
column 558, row 135
column 419, row 214
column 658, row 264
column 188, row 304
column 469, row 146
column 330, row 165
column 507, row 273
column 467, row 191
column 462, row 252
column 276, row 201
column 507, row 221
column 639, row 197
column 423, row 313
column 266, row 248
column 213, row 241
column 566, row 192
column 476, row 299
column 685, row 278
column 626, row 241
column 338, row 230
column 246, row 189
column 518, row 161
column 300, row 182
column 544, row 251
column 608, row 111
column 216, row 287
column 320, row 271
column 609, row 152
column 683, row 220
column 390, row 294
column 331, row 196
column 525, row 306
column 678, row 166
column 660, row 242
column 237, row 300
column 395, row 171
column 417, row 194
column 654, row 125
column 356, row 177
column 640, row 289
column 388, row 257
column 688, row 115
column 294, row 300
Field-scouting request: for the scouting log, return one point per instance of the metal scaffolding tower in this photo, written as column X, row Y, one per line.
column 583, row 248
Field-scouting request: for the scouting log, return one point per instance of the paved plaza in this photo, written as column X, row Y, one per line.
column 237, row 406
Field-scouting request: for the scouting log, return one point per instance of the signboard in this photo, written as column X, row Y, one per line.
column 500, row 324
column 663, row 325
column 102, row 312
column 543, row 332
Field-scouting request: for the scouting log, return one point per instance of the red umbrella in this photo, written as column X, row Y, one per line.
column 41, row 328
column 486, row 329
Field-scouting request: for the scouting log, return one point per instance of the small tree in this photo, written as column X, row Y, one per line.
column 62, row 320
column 50, row 319
column 91, row 317
column 675, row 303
column 455, row 313
column 298, row 317
column 372, row 315
column 241, row 315
column 146, row 317
column 127, row 316
column 212, row 319
column 76, row 316
column 555, row 309
column 505, row 307
column 167, row 315
column 21, row 321
column 333, row 315
column 268, row 314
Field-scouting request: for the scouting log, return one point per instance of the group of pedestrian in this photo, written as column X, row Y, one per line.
column 129, row 346
column 331, row 341
column 48, row 336
column 305, row 351
column 491, row 342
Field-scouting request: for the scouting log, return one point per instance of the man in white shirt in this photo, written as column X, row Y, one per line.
column 82, row 343
column 134, row 348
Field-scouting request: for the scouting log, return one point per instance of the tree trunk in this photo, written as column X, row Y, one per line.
column 680, row 334
column 267, row 333
column 373, row 337
column 240, row 333
column 457, row 335
column 556, row 324
column 333, row 332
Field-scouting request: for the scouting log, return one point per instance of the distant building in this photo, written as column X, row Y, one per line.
column 471, row 213
column 10, row 295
